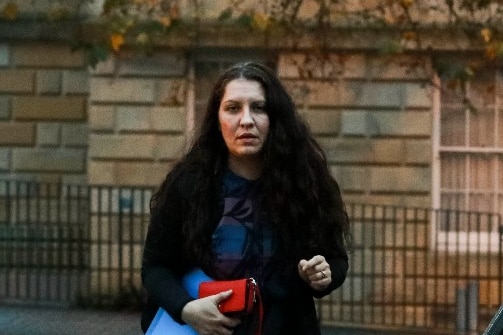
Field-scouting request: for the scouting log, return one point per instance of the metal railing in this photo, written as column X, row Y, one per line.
column 404, row 274
column 71, row 245
column 409, row 267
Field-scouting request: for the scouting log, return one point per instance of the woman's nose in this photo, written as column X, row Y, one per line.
column 246, row 118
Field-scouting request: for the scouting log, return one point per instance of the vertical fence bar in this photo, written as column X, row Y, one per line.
column 461, row 310
column 473, row 306
column 499, row 221
column 365, row 250
column 436, row 244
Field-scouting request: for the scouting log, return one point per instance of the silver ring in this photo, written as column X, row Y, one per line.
column 323, row 274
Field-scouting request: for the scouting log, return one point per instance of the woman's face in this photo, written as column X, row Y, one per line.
column 243, row 120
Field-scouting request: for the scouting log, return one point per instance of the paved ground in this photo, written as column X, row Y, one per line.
column 59, row 321
column 62, row 321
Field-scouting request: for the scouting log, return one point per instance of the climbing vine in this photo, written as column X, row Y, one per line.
column 141, row 24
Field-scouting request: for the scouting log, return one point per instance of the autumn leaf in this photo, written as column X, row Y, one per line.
column 490, row 52
column 406, row 3
column 10, row 11
column 116, row 41
column 165, row 21
column 486, row 34
column 494, row 51
column 260, row 21
column 409, row 35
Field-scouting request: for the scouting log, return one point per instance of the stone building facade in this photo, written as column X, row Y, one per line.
column 126, row 121
column 378, row 117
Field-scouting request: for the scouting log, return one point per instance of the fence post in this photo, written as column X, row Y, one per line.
column 467, row 308
column 473, row 306
column 461, row 297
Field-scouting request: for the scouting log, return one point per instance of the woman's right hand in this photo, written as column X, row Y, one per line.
column 204, row 316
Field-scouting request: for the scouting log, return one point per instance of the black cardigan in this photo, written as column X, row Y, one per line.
column 164, row 263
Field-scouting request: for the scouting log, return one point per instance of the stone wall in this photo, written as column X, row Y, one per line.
column 137, row 119
column 125, row 122
column 43, row 112
column 372, row 116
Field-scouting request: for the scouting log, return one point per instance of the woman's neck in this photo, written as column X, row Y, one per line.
column 250, row 169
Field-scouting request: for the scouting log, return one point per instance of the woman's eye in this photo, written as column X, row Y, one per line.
column 232, row 109
column 259, row 108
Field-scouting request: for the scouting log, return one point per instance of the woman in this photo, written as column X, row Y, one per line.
column 253, row 197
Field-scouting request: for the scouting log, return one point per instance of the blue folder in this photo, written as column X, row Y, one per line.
column 163, row 324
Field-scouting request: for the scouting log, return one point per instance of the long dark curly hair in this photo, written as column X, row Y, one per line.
column 302, row 199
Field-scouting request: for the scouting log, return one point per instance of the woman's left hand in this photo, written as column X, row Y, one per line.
column 316, row 272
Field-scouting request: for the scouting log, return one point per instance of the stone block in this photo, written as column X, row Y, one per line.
column 49, row 81
column 49, row 108
column 75, row 135
column 399, row 67
column 4, row 55
column 76, row 82
column 354, row 122
column 129, row 90
column 169, row 147
column 4, row 159
column 171, row 92
column 386, row 123
column 17, row 133
column 402, row 123
column 48, row 160
column 132, row 118
column 101, row 173
column 4, row 107
column 390, row 95
column 347, row 150
column 123, row 173
column 53, row 55
column 16, row 81
column 102, row 118
column 319, row 93
column 158, row 65
column 418, row 151
column 140, row 173
column 106, row 67
column 334, row 66
column 121, row 146
column 323, row 121
column 400, row 179
column 169, row 119
column 395, row 199
column 388, row 151
column 351, row 178
column 165, row 119
column 363, row 151
column 48, row 134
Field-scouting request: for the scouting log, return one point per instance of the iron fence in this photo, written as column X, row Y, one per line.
column 420, row 268
column 409, row 267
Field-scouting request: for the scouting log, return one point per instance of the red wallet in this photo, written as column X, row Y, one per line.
column 242, row 299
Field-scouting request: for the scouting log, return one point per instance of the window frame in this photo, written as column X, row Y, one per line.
column 459, row 239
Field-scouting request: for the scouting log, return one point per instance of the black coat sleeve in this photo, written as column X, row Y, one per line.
column 163, row 262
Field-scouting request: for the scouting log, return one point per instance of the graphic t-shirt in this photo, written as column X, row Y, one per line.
column 242, row 241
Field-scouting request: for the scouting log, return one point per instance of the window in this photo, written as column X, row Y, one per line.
column 468, row 164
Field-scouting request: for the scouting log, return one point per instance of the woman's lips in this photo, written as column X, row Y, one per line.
column 246, row 136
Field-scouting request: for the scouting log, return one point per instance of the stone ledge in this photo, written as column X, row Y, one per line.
column 211, row 35
column 31, row 30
